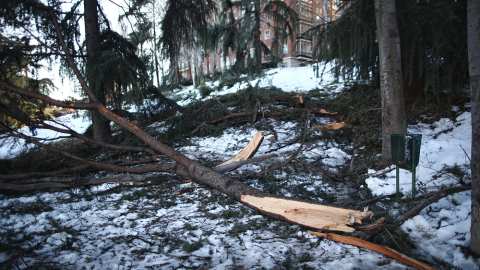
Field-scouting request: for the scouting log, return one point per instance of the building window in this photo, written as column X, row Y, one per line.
column 285, row 48
column 267, row 17
column 267, row 34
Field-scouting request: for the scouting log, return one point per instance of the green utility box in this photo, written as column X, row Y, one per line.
column 406, row 155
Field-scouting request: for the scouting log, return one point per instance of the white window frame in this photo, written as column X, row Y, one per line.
column 267, row 34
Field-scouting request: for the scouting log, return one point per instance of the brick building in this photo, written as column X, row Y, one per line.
column 296, row 52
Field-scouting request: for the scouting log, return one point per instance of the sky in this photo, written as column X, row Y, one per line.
column 65, row 86
column 115, row 232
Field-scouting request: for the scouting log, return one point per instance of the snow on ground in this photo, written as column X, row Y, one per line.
column 443, row 143
column 154, row 227
column 295, row 79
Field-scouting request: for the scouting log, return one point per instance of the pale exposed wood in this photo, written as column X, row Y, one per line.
column 374, row 247
column 331, row 126
column 311, row 215
column 234, row 165
column 321, row 111
column 299, row 95
column 248, row 151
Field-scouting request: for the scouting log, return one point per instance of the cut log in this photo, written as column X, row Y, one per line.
column 248, row 151
column 374, row 247
column 310, row 215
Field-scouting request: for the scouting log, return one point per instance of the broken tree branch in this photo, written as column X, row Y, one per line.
column 247, row 152
column 427, row 201
column 374, row 247
column 239, row 163
column 287, row 160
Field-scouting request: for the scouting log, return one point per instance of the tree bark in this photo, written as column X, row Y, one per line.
column 473, row 15
column 391, row 83
column 100, row 125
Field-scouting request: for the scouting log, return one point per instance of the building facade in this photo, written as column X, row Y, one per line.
column 293, row 52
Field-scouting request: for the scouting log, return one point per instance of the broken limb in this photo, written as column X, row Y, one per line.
column 247, row 152
column 374, row 247
column 429, row 200
column 237, row 164
column 287, row 160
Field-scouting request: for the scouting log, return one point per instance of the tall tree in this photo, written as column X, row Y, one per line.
column 100, row 125
column 391, row 82
column 284, row 209
column 473, row 15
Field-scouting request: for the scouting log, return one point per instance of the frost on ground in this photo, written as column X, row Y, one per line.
column 181, row 225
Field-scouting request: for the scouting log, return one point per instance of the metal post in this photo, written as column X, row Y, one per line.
column 398, row 182
column 414, row 170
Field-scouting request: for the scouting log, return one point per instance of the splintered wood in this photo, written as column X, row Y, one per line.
column 248, row 151
column 316, row 216
column 374, row 247
column 331, row 126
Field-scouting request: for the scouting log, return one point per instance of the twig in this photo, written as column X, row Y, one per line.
column 466, row 153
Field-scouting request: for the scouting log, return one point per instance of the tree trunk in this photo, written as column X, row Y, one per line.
column 100, row 125
column 391, row 83
column 256, row 37
column 473, row 15
column 155, row 48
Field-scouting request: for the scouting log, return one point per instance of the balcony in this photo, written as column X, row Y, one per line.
column 304, row 36
column 304, row 54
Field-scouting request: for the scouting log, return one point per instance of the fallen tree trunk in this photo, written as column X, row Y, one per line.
column 374, row 247
column 185, row 167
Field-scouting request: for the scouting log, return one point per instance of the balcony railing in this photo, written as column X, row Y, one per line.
column 304, row 36
column 304, row 54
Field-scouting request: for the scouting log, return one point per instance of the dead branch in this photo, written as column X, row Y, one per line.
column 429, row 200
column 374, row 247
